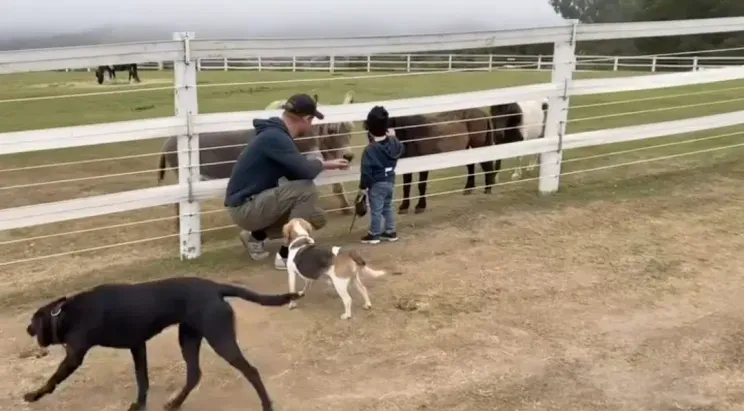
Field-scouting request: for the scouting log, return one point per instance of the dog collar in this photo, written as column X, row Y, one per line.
column 302, row 237
column 54, row 323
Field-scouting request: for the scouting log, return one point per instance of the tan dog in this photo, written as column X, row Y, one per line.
column 311, row 261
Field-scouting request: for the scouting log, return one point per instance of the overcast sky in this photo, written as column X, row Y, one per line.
column 284, row 18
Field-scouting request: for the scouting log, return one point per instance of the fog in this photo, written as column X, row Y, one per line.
column 132, row 20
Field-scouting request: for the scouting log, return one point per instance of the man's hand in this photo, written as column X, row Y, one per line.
column 337, row 164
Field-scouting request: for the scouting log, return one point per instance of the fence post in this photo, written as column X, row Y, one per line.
column 539, row 62
column 653, row 65
column 369, row 64
column 184, row 78
column 294, row 64
column 564, row 64
column 160, row 65
column 332, row 64
column 224, row 64
column 695, row 63
column 260, row 64
column 408, row 63
column 449, row 62
column 617, row 63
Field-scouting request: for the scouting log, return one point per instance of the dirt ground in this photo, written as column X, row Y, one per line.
column 627, row 302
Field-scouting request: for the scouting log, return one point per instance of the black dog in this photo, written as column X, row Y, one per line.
column 127, row 315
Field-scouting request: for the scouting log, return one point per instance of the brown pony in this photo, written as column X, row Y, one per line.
column 440, row 133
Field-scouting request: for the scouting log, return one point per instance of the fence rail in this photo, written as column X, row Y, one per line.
column 187, row 123
column 454, row 62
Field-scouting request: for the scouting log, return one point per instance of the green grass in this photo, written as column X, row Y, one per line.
column 155, row 103
column 213, row 99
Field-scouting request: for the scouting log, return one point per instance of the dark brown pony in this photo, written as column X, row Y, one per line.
column 440, row 133
column 130, row 68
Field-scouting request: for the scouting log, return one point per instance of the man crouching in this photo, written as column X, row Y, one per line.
column 255, row 201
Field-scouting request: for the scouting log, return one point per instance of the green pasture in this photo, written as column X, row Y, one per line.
column 604, row 182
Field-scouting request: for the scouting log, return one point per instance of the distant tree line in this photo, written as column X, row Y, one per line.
column 616, row 11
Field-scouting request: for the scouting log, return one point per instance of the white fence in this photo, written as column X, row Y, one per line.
column 187, row 124
column 454, row 62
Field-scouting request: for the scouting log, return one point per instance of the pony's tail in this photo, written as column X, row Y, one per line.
column 491, row 138
column 161, row 168
column 493, row 135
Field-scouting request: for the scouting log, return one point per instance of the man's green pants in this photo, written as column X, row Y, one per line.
column 270, row 210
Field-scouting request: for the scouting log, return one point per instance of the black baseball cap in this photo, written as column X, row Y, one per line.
column 302, row 105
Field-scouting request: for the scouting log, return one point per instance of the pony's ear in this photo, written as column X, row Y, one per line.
column 349, row 98
column 315, row 97
column 274, row 105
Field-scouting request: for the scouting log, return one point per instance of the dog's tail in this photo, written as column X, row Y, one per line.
column 227, row 290
column 363, row 265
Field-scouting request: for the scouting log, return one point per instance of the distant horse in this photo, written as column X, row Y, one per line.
column 218, row 151
column 131, row 68
column 440, row 133
column 519, row 121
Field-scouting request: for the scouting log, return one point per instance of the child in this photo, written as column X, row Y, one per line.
column 378, row 175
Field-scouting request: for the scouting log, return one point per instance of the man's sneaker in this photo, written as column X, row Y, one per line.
column 371, row 239
column 255, row 248
column 393, row 236
column 279, row 262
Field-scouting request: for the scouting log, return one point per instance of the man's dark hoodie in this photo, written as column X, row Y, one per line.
column 271, row 155
column 379, row 161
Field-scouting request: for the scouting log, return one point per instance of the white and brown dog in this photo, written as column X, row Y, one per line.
column 311, row 261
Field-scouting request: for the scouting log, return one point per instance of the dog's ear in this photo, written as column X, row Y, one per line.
column 306, row 225
column 287, row 232
column 42, row 321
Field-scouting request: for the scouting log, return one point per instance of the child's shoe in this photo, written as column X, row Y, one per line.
column 392, row 236
column 371, row 239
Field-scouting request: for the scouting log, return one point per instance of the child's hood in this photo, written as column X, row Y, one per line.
column 391, row 146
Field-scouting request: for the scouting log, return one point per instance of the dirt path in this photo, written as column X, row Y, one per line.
column 630, row 304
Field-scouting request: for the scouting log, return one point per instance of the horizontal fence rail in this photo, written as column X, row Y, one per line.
column 186, row 55
column 410, row 63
